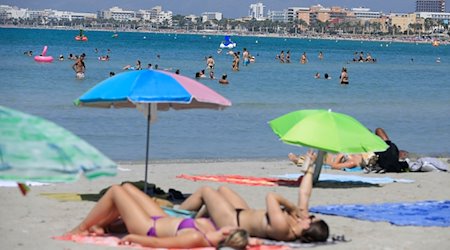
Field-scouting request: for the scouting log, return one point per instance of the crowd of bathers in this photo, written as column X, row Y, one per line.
column 361, row 57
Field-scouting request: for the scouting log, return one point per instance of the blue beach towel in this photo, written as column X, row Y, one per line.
column 355, row 169
column 423, row 213
column 350, row 178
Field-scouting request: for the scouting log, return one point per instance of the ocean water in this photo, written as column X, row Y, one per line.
column 406, row 91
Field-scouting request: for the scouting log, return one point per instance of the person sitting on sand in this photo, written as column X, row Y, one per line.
column 148, row 224
column 282, row 220
column 389, row 160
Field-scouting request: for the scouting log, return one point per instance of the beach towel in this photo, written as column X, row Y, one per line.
column 4, row 183
column 422, row 213
column 350, row 178
column 243, row 180
column 355, row 169
column 289, row 179
column 113, row 241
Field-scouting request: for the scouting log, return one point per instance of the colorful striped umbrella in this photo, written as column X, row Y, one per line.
column 35, row 149
column 151, row 90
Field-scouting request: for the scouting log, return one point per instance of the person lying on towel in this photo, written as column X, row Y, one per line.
column 148, row 224
column 282, row 220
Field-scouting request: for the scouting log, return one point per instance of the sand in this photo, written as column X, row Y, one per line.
column 29, row 222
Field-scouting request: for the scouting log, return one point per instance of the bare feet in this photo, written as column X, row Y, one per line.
column 78, row 231
column 295, row 159
column 94, row 230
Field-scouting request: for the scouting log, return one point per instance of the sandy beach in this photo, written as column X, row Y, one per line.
column 29, row 222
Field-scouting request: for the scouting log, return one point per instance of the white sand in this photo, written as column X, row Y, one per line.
column 30, row 222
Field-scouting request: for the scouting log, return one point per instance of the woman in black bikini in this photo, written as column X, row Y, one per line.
column 148, row 224
column 282, row 220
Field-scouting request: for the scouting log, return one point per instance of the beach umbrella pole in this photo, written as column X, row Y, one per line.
column 147, row 148
column 319, row 163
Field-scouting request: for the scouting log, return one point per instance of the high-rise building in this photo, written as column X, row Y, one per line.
column 257, row 11
column 430, row 6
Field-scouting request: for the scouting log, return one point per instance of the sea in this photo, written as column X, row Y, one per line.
column 406, row 91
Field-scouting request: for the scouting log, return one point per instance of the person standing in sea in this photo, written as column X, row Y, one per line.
column 344, row 76
column 79, row 67
column 288, row 56
column 245, row 57
column 303, row 59
column 210, row 63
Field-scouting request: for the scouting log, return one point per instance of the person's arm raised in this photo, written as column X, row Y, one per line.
column 305, row 188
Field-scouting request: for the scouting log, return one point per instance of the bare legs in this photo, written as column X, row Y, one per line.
column 220, row 208
column 128, row 202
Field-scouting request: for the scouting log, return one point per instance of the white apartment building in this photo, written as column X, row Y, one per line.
column 278, row 15
column 117, row 13
column 7, row 12
column 365, row 13
column 257, row 11
column 206, row 16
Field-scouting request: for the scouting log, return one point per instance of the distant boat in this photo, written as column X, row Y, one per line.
column 115, row 35
column 227, row 43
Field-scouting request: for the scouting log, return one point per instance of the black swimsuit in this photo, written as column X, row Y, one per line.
column 238, row 212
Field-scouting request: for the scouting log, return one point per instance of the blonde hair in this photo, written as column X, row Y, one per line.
column 237, row 240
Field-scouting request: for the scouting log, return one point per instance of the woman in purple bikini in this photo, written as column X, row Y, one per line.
column 148, row 224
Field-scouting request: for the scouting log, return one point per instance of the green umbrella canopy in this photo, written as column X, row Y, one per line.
column 326, row 130
column 35, row 149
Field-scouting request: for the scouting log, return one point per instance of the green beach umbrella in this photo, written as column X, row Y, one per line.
column 326, row 131
column 35, row 149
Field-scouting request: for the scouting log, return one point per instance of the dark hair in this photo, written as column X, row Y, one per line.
column 317, row 231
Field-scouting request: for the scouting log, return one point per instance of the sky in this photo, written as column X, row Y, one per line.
column 229, row 8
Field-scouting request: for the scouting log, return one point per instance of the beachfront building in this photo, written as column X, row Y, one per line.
column 256, row 11
column 208, row 16
column 365, row 13
column 406, row 23
column 71, row 16
column 156, row 15
column 12, row 12
column 430, row 6
column 292, row 12
column 444, row 16
column 435, row 22
column 117, row 14
column 278, row 16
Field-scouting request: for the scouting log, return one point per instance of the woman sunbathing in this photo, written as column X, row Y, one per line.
column 148, row 224
column 282, row 220
column 336, row 161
